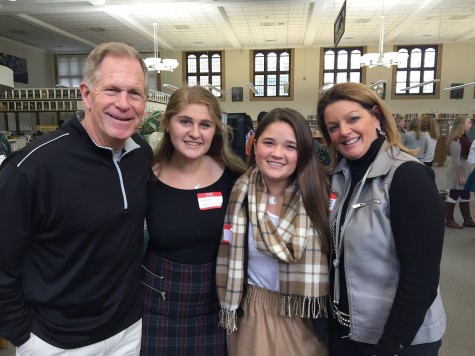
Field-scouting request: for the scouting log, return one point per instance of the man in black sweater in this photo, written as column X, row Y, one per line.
column 71, row 221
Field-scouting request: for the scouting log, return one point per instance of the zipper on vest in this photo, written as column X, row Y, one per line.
column 370, row 202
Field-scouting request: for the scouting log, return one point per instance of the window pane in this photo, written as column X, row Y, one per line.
column 428, row 88
column 429, row 58
column 328, row 78
column 271, row 62
column 401, row 77
column 191, row 61
column 192, row 80
column 204, row 64
column 429, row 75
column 329, row 60
column 271, row 85
column 355, row 77
column 355, row 59
column 216, row 63
column 284, row 62
column 341, row 78
column 342, row 60
column 204, row 79
column 259, row 62
column 259, row 80
column 414, row 77
column 404, row 64
column 416, row 58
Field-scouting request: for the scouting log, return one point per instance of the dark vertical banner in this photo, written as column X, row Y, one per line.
column 339, row 25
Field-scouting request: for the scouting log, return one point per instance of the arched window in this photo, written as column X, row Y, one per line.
column 421, row 66
column 205, row 69
column 271, row 74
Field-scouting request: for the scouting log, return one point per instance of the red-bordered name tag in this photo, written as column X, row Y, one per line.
column 332, row 198
column 227, row 234
column 211, row 200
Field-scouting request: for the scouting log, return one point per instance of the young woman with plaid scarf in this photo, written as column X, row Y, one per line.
column 272, row 271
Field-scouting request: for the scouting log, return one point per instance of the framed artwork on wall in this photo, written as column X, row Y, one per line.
column 456, row 93
column 237, row 93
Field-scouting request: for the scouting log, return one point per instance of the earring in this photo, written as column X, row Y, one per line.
column 381, row 132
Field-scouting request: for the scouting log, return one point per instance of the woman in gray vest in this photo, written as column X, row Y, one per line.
column 387, row 223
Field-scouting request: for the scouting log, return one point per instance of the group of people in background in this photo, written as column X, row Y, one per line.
column 277, row 254
column 422, row 136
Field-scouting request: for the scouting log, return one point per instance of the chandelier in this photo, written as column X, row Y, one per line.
column 155, row 62
column 381, row 59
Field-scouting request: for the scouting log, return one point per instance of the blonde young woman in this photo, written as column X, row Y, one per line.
column 194, row 173
column 415, row 140
column 429, row 128
column 457, row 173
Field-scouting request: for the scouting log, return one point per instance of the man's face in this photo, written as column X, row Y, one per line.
column 115, row 103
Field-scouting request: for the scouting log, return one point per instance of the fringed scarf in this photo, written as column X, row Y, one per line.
column 303, row 268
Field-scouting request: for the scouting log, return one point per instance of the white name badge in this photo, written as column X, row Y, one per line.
column 212, row 200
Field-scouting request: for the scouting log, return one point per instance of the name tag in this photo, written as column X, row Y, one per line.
column 212, row 200
column 332, row 198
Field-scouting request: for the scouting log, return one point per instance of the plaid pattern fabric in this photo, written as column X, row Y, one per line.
column 303, row 267
column 181, row 309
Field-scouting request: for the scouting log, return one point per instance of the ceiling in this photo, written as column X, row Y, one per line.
column 75, row 26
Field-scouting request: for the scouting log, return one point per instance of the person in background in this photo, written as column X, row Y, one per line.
column 249, row 136
column 457, row 173
column 194, row 173
column 5, row 148
column 429, row 128
column 387, row 223
column 272, row 270
column 72, row 215
column 260, row 116
column 250, row 139
column 415, row 140
column 400, row 124
column 470, row 185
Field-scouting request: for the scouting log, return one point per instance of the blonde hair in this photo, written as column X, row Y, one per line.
column 220, row 147
column 361, row 94
column 457, row 129
column 429, row 125
column 414, row 126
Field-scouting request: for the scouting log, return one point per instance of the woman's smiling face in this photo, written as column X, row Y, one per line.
column 351, row 127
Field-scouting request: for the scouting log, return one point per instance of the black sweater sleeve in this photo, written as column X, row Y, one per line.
column 417, row 221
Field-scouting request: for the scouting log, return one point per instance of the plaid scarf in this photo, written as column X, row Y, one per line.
column 303, row 268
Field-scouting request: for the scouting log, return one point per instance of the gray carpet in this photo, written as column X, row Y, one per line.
column 457, row 285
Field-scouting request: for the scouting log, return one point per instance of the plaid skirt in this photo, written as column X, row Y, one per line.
column 180, row 310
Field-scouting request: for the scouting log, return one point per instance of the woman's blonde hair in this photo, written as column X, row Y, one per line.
column 414, row 126
column 361, row 94
column 220, row 147
column 429, row 125
column 457, row 129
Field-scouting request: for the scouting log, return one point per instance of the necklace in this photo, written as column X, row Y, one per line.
column 273, row 200
column 197, row 186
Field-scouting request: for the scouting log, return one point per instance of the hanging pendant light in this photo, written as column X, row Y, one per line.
column 155, row 62
column 381, row 59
